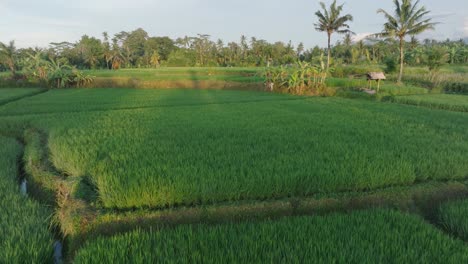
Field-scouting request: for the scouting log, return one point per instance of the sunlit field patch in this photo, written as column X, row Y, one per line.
column 202, row 147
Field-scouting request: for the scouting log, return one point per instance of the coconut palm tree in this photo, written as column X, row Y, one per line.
column 8, row 55
column 331, row 21
column 409, row 20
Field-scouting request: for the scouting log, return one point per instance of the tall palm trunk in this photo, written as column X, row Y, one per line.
column 400, row 76
column 12, row 67
column 329, row 50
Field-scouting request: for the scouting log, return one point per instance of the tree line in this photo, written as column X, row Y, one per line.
column 137, row 49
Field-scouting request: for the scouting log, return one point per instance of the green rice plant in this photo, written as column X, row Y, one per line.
column 393, row 89
column 346, row 83
column 12, row 94
column 453, row 217
column 375, row 236
column 180, row 74
column 76, row 100
column 24, row 233
column 179, row 147
column 436, row 101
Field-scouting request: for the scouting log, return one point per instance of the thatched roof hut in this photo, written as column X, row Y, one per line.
column 375, row 76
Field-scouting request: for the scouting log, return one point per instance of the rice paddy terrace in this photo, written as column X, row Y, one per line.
column 189, row 175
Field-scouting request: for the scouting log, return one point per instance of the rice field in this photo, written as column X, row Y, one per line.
column 138, row 151
column 197, row 149
column 374, row 236
column 11, row 94
column 77, row 100
column 234, row 74
column 453, row 216
column 450, row 102
column 24, row 229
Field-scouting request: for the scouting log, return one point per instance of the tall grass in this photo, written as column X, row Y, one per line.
column 361, row 237
column 195, row 153
column 24, row 234
column 453, row 216
column 436, row 101
column 202, row 78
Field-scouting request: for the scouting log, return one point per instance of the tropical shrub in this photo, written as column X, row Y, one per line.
column 302, row 78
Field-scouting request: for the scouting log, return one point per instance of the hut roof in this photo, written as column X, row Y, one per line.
column 376, row 76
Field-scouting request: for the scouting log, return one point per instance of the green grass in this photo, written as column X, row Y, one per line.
column 346, row 83
column 436, row 101
column 393, row 89
column 75, row 100
column 454, row 217
column 177, row 74
column 24, row 233
column 352, row 88
column 11, row 94
column 195, row 153
column 361, row 237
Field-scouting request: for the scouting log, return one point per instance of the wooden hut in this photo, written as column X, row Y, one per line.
column 375, row 76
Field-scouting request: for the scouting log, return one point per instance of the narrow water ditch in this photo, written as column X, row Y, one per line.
column 22, row 179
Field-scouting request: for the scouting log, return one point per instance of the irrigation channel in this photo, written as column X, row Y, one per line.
column 23, row 184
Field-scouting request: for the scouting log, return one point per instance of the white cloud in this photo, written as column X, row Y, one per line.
column 37, row 38
column 360, row 36
column 465, row 27
column 442, row 15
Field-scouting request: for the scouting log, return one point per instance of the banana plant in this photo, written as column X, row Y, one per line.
column 81, row 79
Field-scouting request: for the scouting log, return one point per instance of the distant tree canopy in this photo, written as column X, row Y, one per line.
column 136, row 49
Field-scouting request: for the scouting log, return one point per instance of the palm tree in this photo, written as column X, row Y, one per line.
column 8, row 55
column 409, row 19
column 330, row 22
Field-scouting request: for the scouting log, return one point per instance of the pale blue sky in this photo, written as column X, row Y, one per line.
column 38, row 22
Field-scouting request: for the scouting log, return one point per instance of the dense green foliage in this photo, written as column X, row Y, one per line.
column 436, row 101
column 191, row 147
column 359, row 237
column 24, row 233
column 456, row 87
column 453, row 216
column 136, row 49
column 302, row 78
column 11, row 94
